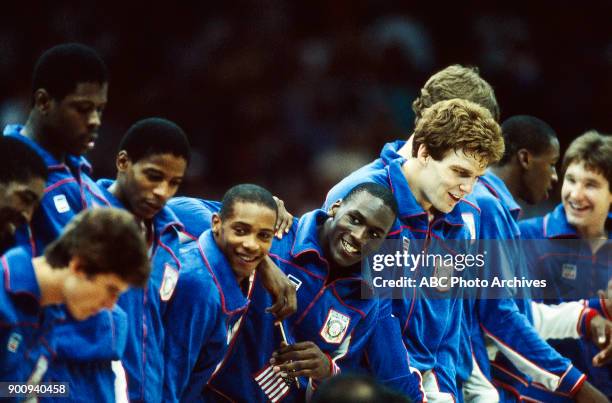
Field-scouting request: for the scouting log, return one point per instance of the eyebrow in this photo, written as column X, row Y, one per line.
column 362, row 218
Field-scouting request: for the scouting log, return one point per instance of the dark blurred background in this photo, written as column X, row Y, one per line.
column 294, row 95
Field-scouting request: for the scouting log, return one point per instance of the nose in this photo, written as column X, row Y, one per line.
column 359, row 234
column 95, row 119
column 468, row 186
column 554, row 178
column 577, row 191
column 249, row 243
column 162, row 191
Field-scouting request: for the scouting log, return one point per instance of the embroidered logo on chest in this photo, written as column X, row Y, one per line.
column 335, row 327
column 168, row 282
column 569, row 271
column 13, row 342
column 61, row 203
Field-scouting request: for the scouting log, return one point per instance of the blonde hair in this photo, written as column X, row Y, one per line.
column 456, row 81
column 594, row 150
column 457, row 124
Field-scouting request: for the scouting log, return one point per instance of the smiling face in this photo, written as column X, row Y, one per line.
column 245, row 236
column 443, row 183
column 73, row 121
column 17, row 203
column 145, row 186
column 86, row 295
column 358, row 224
column 586, row 198
column 540, row 175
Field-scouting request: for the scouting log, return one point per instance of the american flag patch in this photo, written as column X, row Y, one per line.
column 272, row 384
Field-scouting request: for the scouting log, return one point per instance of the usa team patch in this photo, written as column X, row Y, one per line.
column 13, row 342
column 61, row 203
column 569, row 271
column 168, row 283
column 335, row 327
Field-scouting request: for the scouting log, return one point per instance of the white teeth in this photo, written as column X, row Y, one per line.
column 349, row 248
column 576, row 206
column 247, row 258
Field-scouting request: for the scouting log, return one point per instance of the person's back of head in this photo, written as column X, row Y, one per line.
column 456, row 81
column 153, row 136
column 61, row 68
column 355, row 389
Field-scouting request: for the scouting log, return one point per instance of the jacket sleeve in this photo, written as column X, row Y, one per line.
column 517, row 339
column 195, row 339
column 388, row 358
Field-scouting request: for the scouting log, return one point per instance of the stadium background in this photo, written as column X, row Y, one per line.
column 294, row 95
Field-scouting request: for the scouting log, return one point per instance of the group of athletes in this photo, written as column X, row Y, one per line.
column 156, row 298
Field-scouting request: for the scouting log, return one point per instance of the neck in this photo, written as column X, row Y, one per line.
column 592, row 233
column 50, row 281
column 411, row 170
column 511, row 176
column 34, row 130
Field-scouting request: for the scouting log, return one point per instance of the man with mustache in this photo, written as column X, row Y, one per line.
column 22, row 182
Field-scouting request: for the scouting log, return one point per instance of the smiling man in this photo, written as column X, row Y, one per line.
column 452, row 144
column 22, row 182
column 321, row 254
column 578, row 270
column 216, row 285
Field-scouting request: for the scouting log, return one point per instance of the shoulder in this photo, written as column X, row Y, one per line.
column 532, row 228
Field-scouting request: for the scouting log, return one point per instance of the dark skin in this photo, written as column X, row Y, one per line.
column 361, row 222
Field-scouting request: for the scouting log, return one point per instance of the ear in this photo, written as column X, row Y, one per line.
column 123, row 161
column 524, row 158
column 216, row 224
column 334, row 208
column 422, row 154
column 42, row 101
column 76, row 266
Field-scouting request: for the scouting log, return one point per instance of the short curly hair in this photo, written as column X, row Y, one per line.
column 456, row 81
column 457, row 124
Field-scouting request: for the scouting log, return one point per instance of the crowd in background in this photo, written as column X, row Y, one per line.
column 295, row 95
